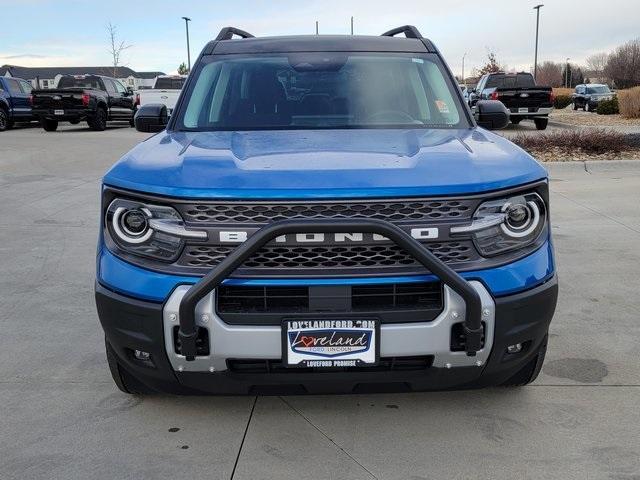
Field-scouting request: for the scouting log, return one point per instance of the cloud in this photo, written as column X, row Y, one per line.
column 23, row 55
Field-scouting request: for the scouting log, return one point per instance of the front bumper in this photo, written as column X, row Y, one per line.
column 131, row 324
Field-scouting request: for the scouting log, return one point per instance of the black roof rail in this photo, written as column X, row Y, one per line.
column 409, row 31
column 227, row 33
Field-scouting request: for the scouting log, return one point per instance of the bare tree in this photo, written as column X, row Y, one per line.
column 597, row 62
column 492, row 65
column 116, row 47
column 623, row 65
column 550, row 74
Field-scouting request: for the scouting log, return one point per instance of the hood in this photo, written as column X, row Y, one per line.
column 323, row 164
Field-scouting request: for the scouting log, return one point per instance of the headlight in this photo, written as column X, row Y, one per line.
column 147, row 230
column 507, row 224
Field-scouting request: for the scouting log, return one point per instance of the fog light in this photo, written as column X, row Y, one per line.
column 143, row 356
column 517, row 348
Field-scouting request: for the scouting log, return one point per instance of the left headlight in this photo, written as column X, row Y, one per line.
column 147, row 230
column 507, row 224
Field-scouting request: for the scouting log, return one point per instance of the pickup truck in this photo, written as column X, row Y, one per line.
column 330, row 217
column 519, row 93
column 14, row 102
column 166, row 91
column 94, row 98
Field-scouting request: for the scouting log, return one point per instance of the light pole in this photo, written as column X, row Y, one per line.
column 463, row 81
column 351, row 25
column 566, row 73
column 535, row 61
column 186, row 24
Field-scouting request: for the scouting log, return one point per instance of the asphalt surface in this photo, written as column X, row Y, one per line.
column 61, row 417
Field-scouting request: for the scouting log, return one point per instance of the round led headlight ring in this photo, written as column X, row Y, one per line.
column 521, row 219
column 131, row 225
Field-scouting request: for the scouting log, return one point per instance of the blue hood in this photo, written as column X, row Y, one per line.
column 323, row 164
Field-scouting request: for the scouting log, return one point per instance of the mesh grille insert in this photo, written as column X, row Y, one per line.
column 344, row 256
column 262, row 213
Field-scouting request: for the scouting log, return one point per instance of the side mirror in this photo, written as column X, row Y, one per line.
column 151, row 118
column 491, row 114
column 129, row 91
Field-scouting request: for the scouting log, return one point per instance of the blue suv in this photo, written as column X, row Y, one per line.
column 324, row 214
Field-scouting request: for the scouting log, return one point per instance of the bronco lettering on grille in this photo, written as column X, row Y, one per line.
column 427, row 233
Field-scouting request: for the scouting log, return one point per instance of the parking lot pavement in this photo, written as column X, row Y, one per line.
column 62, row 418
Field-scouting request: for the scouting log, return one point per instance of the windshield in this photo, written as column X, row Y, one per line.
column 169, row 83
column 599, row 89
column 321, row 90
column 85, row 82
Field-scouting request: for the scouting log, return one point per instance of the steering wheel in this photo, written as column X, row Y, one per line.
column 390, row 116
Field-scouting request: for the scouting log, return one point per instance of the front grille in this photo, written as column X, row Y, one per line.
column 264, row 212
column 333, row 256
column 391, row 303
column 368, row 257
column 386, row 364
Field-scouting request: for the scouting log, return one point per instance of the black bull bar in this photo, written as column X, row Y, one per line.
column 188, row 331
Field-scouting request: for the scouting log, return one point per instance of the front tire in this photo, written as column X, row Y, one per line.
column 74, row 122
column 5, row 123
column 99, row 121
column 541, row 123
column 125, row 382
column 530, row 371
column 49, row 125
column 575, row 106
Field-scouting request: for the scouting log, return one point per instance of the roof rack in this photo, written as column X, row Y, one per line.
column 409, row 31
column 227, row 33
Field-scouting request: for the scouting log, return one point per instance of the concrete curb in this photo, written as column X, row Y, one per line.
column 631, row 165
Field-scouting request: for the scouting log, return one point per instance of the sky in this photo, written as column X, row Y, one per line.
column 74, row 33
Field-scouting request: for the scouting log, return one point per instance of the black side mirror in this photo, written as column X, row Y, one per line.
column 151, row 118
column 491, row 114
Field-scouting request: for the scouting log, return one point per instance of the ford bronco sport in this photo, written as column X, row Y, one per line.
column 324, row 214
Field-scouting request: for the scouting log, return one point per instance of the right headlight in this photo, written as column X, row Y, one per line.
column 147, row 229
column 506, row 224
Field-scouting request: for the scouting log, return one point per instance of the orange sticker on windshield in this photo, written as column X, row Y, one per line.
column 442, row 106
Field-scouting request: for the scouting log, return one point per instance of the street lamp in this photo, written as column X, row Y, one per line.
column 463, row 81
column 535, row 61
column 186, row 24
column 566, row 73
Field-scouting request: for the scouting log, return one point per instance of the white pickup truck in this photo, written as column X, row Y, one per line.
column 165, row 90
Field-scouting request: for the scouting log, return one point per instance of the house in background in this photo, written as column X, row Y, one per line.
column 47, row 77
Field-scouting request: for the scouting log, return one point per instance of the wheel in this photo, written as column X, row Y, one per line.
column 99, row 121
column 5, row 123
column 516, row 121
column 49, row 125
column 125, row 382
column 575, row 106
column 541, row 123
column 74, row 122
column 530, row 371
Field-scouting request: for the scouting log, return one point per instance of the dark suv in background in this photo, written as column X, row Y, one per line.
column 589, row 96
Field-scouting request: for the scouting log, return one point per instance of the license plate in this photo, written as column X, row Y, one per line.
column 330, row 343
column 523, row 110
column 58, row 112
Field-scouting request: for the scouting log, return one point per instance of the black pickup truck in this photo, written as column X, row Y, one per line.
column 519, row 93
column 93, row 98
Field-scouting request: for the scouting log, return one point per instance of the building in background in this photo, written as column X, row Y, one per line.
column 47, row 77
